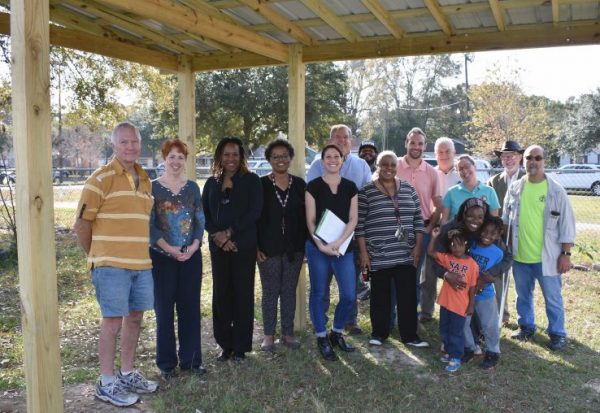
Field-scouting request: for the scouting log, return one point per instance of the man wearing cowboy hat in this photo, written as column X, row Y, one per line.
column 510, row 155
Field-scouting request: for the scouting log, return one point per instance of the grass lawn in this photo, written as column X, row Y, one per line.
column 391, row 378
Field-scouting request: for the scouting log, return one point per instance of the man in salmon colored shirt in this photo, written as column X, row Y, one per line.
column 424, row 178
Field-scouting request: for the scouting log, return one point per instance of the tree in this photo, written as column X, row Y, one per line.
column 581, row 128
column 501, row 111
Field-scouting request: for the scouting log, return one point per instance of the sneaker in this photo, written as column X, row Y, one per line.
column 136, row 383
column 522, row 335
column 417, row 342
column 490, row 360
column 468, row 355
column 557, row 343
column 375, row 341
column 478, row 351
column 115, row 393
column 453, row 365
column 445, row 358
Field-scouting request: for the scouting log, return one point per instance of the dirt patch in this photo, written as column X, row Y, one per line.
column 78, row 398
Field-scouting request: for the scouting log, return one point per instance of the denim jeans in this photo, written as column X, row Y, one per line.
column 487, row 313
column 319, row 267
column 525, row 277
column 451, row 330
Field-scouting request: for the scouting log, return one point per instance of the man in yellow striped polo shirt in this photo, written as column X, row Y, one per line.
column 112, row 227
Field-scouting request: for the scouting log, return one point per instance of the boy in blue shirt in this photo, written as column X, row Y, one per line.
column 487, row 254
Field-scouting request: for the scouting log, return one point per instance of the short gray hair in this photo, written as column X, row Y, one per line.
column 124, row 125
column 444, row 141
column 335, row 128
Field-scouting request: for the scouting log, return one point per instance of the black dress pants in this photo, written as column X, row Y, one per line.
column 404, row 277
column 177, row 286
column 233, row 299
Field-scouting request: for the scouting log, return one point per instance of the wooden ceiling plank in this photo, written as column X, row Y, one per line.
column 439, row 16
column 127, row 23
column 555, row 12
column 498, row 14
column 279, row 21
column 72, row 20
column 384, row 17
column 333, row 20
column 186, row 19
column 119, row 49
column 210, row 10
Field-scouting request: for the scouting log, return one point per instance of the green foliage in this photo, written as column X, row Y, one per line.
column 581, row 128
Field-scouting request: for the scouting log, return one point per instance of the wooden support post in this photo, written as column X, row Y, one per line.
column 187, row 112
column 296, row 132
column 35, row 209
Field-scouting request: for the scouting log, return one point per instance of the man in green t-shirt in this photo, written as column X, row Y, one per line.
column 541, row 234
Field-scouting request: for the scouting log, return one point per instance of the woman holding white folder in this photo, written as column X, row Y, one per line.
column 336, row 195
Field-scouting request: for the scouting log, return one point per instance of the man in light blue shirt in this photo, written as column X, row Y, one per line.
column 356, row 170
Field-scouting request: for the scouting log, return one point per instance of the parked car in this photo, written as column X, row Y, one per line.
column 578, row 176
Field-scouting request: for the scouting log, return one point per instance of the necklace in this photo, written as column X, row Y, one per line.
column 283, row 202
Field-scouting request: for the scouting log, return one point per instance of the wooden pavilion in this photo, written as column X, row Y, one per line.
column 186, row 36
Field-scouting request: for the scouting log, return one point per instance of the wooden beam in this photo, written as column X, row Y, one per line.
column 438, row 15
column 555, row 12
column 296, row 136
column 532, row 37
column 108, row 17
column 187, row 112
column 279, row 21
column 186, row 19
column 231, row 61
column 384, row 17
column 320, row 9
column 118, row 49
column 32, row 146
column 498, row 14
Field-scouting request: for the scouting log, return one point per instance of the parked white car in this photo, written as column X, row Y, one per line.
column 578, row 176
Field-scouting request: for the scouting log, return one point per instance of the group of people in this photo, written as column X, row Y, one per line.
column 387, row 212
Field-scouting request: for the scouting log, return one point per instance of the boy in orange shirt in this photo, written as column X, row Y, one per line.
column 455, row 304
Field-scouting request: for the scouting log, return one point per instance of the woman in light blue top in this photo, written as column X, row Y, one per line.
column 176, row 227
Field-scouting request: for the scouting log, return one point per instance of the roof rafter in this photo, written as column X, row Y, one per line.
column 124, row 22
column 439, row 16
column 188, row 20
column 498, row 14
column 384, row 17
column 330, row 18
column 119, row 49
column 279, row 21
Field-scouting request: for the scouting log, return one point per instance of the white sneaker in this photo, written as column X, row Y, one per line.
column 115, row 393
column 136, row 383
column 417, row 343
column 375, row 341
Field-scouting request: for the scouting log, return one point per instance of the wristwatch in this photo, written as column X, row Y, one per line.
column 567, row 253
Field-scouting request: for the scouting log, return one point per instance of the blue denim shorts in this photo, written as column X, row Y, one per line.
column 120, row 291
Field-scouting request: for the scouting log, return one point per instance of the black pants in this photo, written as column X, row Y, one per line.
column 177, row 286
column 233, row 299
column 404, row 277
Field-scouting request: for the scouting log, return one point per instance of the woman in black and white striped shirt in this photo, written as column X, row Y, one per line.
column 389, row 235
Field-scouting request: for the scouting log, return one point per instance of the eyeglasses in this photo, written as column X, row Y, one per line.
column 280, row 157
column 536, row 158
column 508, row 157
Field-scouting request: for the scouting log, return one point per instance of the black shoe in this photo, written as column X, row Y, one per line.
column 225, row 355
column 197, row 371
column 337, row 339
column 490, row 360
column 557, row 343
column 467, row 356
column 353, row 329
column 522, row 335
column 326, row 349
column 168, row 374
column 239, row 356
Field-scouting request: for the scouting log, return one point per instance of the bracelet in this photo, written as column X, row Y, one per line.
column 567, row 253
